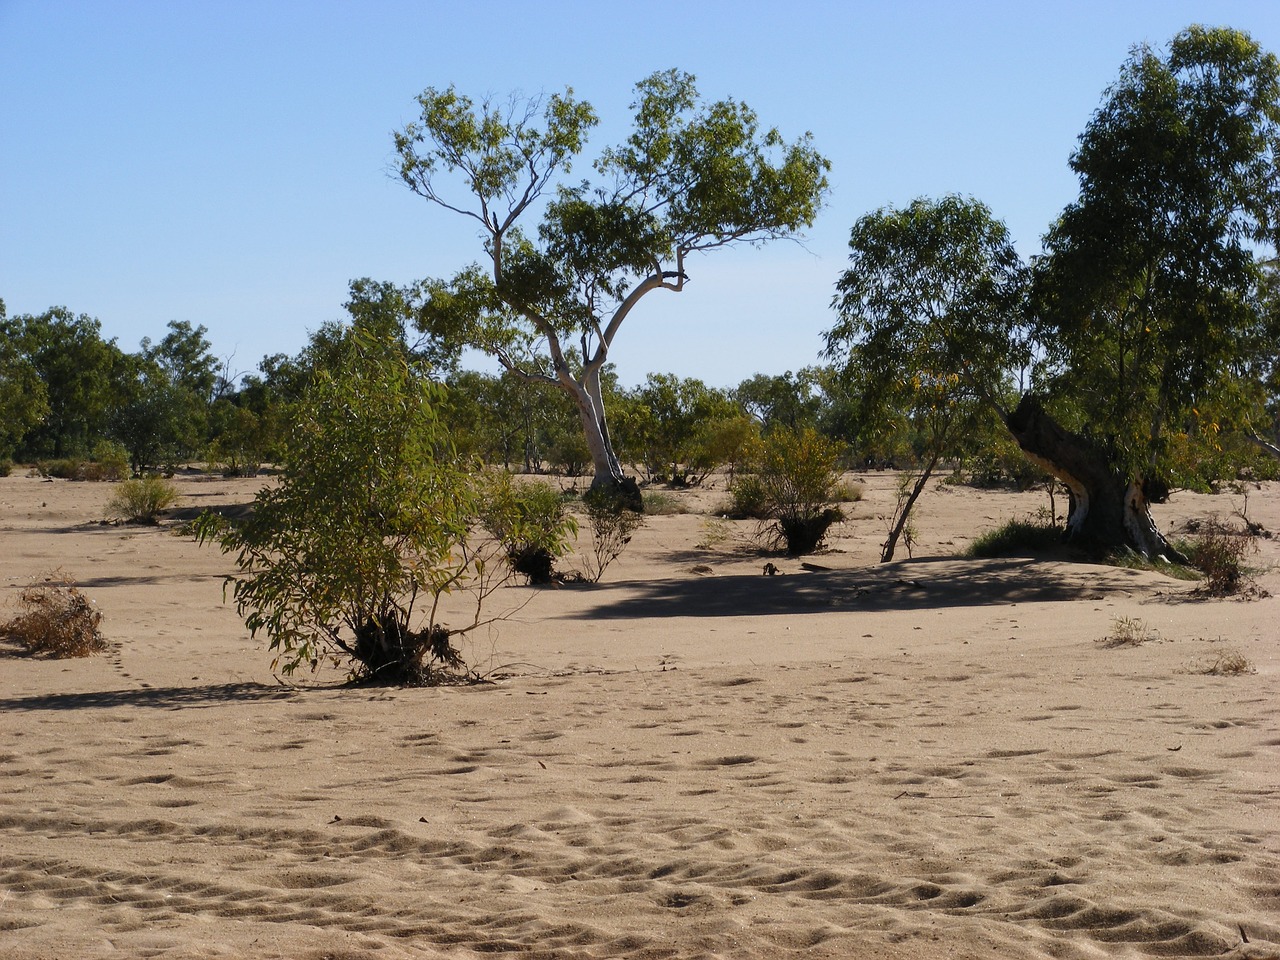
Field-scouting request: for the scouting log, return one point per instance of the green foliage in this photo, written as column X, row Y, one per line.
column 162, row 417
column 791, row 400
column 372, row 516
column 928, row 319
column 56, row 620
column 530, row 522
column 79, row 372
column 612, row 523
column 1016, row 538
column 1147, row 298
column 790, row 483
column 107, row 461
column 693, row 176
column 24, row 401
column 142, row 500
column 679, row 429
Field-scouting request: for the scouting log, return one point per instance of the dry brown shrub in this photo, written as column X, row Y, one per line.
column 1229, row 663
column 57, row 620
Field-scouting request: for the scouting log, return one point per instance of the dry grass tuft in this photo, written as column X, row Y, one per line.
column 1128, row 632
column 57, row 620
column 1229, row 663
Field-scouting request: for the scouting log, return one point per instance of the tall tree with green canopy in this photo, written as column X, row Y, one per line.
column 80, row 372
column 929, row 313
column 1146, row 300
column 1148, row 309
column 23, row 400
column 567, row 262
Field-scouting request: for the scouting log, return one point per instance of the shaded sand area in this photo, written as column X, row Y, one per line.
column 932, row 758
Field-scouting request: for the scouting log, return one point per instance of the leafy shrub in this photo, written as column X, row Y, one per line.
column 530, row 522
column 57, row 620
column 109, row 461
column 371, row 525
column 76, row 468
column 142, row 500
column 1218, row 552
column 613, row 523
column 790, row 484
column 747, row 498
column 6, row 466
column 1016, row 538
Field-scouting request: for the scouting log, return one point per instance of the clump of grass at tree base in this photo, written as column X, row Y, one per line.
column 372, row 525
column 57, row 620
column 1016, row 538
column 142, row 499
column 530, row 521
column 789, row 483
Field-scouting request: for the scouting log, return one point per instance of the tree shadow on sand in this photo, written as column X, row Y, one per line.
column 159, row 698
column 907, row 585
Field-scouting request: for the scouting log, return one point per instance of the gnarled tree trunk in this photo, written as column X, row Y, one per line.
column 1108, row 508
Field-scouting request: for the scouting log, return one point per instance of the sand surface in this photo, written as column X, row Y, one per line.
column 931, row 758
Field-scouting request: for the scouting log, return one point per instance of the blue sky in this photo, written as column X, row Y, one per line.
column 227, row 163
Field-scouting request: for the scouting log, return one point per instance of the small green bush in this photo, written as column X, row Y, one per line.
column 790, row 484
column 1015, row 538
column 530, row 522
column 109, row 461
column 142, row 500
column 747, row 498
column 613, row 523
column 114, row 465
column 6, row 466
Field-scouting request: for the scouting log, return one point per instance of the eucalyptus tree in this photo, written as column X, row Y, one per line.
column 1147, row 311
column 1146, row 299
column 668, row 427
column 791, row 400
column 929, row 312
column 80, row 374
column 566, row 262
column 23, row 399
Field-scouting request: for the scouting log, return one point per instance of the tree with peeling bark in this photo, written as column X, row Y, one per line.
column 929, row 312
column 1147, row 302
column 692, row 177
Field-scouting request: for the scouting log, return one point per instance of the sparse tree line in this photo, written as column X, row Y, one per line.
column 1137, row 353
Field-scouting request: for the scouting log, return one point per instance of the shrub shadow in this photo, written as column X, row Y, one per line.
column 907, row 585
